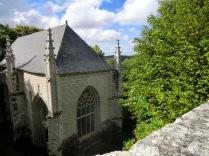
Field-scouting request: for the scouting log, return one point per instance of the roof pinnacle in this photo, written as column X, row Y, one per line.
column 66, row 22
column 49, row 49
column 50, row 41
column 8, row 42
column 8, row 47
column 117, row 56
column 118, row 46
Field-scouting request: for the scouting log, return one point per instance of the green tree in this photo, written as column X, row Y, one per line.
column 129, row 123
column 22, row 30
column 110, row 61
column 98, row 50
column 13, row 33
column 170, row 73
column 6, row 31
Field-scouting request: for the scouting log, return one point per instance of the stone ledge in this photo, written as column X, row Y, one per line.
column 188, row 135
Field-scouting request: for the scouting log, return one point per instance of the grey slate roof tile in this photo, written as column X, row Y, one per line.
column 73, row 54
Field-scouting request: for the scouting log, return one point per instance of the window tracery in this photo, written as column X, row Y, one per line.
column 86, row 112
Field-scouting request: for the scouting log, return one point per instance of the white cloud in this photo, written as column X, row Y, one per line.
column 33, row 17
column 7, row 9
column 136, row 11
column 87, row 14
column 8, row 6
column 109, row 34
column 89, row 21
column 125, row 37
column 98, row 34
column 51, row 8
column 86, row 17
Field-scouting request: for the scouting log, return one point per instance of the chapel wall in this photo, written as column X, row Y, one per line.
column 4, row 99
column 34, row 85
column 19, row 88
column 71, row 87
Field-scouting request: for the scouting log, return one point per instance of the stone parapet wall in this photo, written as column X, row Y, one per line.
column 188, row 136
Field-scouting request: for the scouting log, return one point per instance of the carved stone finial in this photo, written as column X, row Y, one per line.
column 117, row 72
column 66, row 22
column 117, row 56
column 49, row 49
column 38, row 88
column 8, row 44
column 118, row 46
column 50, row 73
column 118, row 42
column 49, row 35
column 9, row 54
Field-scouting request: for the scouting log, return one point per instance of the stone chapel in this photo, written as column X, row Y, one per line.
column 55, row 90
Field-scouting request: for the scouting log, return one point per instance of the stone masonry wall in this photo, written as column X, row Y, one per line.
column 187, row 136
column 71, row 87
column 36, row 85
column 33, row 85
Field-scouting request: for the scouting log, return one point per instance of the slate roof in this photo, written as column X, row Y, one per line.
column 72, row 53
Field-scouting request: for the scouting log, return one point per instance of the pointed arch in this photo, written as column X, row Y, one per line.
column 87, row 112
column 39, row 114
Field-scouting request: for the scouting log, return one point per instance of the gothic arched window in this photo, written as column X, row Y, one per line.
column 86, row 112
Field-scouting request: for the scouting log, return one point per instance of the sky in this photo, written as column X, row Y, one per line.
column 99, row 22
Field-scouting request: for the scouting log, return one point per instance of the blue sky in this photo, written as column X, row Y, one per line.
column 98, row 22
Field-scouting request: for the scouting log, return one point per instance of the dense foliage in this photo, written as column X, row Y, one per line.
column 13, row 33
column 110, row 60
column 170, row 72
column 98, row 50
column 6, row 31
column 128, row 122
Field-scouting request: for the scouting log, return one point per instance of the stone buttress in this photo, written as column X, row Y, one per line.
column 54, row 114
column 16, row 98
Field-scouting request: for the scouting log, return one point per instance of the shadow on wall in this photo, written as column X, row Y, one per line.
column 105, row 141
column 23, row 147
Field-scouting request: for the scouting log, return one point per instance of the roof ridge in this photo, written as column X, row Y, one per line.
column 58, row 51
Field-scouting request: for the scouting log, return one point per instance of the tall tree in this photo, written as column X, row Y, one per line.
column 13, row 33
column 22, row 30
column 6, row 31
column 98, row 50
column 170, row 73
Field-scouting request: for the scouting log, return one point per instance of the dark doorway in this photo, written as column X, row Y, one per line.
column 8, row 147
column 40, row 130
column 4, row 105
column 23, row 147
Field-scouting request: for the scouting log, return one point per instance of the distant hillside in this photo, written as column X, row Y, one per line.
column 110, row 59
column 123, row 57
